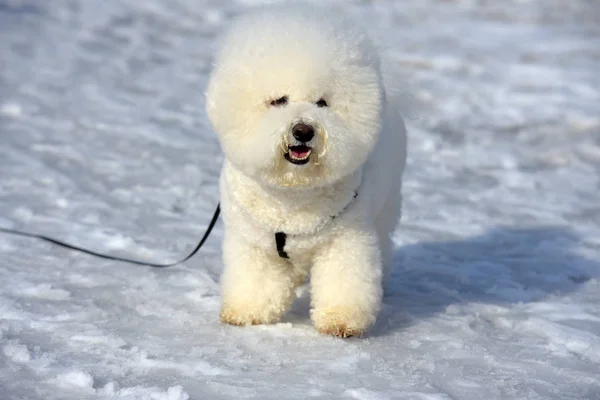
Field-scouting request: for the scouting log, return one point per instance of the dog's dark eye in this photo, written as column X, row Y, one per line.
column 282, row 101
column 321, row 103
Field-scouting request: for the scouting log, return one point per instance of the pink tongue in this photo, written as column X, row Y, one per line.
column 300, row 153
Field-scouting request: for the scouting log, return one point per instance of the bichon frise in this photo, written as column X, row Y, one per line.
column 314, row 154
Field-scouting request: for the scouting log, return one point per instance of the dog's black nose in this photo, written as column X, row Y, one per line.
column 303, row 132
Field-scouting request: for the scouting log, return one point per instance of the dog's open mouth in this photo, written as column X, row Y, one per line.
column 298, row 154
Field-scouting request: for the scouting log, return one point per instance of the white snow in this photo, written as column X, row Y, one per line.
column 104, row 143
column 18, row 353
column 77, row 380
column 10, row 110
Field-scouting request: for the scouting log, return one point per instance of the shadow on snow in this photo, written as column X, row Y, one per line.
column 504, row 266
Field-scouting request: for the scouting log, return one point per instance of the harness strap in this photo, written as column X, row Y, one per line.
column 280, row 237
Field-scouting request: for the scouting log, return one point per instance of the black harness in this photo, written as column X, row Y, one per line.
column 281, row 237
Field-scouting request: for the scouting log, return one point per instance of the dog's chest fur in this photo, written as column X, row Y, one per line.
column 308, row 218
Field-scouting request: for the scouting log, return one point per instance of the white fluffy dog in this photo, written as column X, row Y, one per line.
column 311, row 181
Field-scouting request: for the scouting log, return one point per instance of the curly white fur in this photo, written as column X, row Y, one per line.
column 305, row 55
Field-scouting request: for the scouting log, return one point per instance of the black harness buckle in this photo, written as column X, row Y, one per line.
column 280, row 242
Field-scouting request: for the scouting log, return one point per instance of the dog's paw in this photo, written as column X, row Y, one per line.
column 341, row 321
column 243, row 316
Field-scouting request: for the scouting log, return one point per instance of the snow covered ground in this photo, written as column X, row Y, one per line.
column 104, row 142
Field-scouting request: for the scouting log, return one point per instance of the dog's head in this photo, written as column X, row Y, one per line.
column 296, row 97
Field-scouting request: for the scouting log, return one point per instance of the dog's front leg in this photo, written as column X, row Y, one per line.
column 256, row 287
column 346, row 284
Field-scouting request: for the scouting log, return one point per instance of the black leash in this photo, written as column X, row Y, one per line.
column 109, row 257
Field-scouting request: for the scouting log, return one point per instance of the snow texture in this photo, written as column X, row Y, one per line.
column 105, row 143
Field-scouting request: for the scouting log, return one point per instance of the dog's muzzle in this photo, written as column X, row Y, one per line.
column 299, row 152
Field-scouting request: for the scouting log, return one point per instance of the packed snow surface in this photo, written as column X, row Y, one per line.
column 104, row 143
